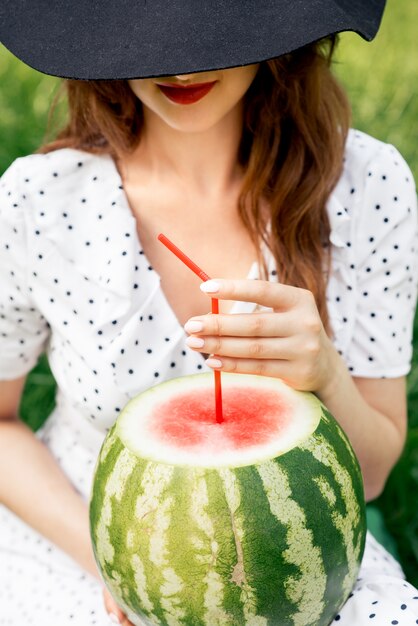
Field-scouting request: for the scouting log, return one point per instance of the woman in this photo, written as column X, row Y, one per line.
column 252, row 170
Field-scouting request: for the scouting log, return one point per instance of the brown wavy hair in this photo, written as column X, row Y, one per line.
column 296, row 119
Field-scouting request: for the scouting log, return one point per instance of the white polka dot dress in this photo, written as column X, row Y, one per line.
column 75, row 282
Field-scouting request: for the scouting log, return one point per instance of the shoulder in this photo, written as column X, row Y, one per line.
column 376, row 184
column 41, row 188
column 53, row 170
column 362, row 148
column 369, row 162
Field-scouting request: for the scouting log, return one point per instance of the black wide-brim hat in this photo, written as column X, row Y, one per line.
column 121, row 39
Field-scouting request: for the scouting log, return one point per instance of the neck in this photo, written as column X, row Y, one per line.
column 205, row 162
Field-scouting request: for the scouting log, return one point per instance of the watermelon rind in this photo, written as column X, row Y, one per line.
column 133, row 423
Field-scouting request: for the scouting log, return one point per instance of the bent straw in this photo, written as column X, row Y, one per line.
column 215, row 310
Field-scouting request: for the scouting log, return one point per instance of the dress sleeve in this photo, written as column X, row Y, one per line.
column 23, row 329
column 386, row 268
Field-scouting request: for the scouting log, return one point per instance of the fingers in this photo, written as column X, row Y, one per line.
column 287, row 342
column 120, row 619
column 265, row 293
column 243, row 325
column 294, row 374
column 115, row 613
column 270, row 348
column 260, row 367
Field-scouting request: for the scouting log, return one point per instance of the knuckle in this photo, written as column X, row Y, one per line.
column 312, row 348
column 297, row 294
column 260, row 368
column 216, row 324
column 313, row 324
column 307, row 296
column 258, row 325
column 256, row 349
column 215, row 345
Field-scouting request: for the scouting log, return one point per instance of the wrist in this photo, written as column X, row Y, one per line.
column 335, row 372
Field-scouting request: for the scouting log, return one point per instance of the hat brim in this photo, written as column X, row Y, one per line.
column 126, row 40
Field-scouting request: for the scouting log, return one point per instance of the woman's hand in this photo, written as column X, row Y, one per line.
column 288, row 342
column 115, row 613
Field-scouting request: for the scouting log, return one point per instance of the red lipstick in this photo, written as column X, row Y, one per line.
column 186, row 94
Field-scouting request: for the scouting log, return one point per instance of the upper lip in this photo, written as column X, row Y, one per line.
column 183, row 86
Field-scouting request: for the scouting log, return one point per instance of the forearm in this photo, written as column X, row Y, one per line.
column 375, row 438
column 33, row 486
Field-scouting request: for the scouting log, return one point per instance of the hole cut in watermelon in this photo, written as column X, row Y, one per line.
column 175, row 422
column 250, row 417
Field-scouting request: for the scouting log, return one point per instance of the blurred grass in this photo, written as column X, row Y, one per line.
column 382, row 80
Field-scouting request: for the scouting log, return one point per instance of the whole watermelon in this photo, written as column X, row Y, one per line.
column 257, row 521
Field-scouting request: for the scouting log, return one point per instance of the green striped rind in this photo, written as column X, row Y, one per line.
column 279, row 542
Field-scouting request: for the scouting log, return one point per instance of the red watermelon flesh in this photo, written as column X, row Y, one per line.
column 176, row 422
column 250, row 417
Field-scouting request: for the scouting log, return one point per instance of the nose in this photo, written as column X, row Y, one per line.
column 184, row 77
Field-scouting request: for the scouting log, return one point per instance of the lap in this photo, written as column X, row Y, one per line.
column 41, row 586
column 381, row 595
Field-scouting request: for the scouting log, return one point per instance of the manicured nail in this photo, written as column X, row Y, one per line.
column 213, row 362
column 114, row 619
column 210, row 286
column 195, row 342
column 193, row 327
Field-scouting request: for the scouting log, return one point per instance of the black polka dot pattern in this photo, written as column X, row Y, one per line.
column 97, row 291
column 380, row 596
column 372, row 289
column 73, row 597
column 76, row 282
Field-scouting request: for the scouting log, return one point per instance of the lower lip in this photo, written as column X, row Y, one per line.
column 186, row 95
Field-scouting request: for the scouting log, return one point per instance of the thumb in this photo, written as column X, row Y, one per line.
column 115, row 613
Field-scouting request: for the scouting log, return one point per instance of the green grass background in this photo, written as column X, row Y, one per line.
column 382, row 81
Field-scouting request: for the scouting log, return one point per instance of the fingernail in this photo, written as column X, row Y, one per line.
column 213, row 362
column 114, row 619
column 210, row 286
column 195, row 342
column 193, row 327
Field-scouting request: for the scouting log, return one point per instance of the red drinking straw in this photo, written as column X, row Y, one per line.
column 215, row 310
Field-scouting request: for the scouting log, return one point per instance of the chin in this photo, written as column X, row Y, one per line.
column 189, row 125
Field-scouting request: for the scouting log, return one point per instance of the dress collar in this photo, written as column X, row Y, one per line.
column 340, row 221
